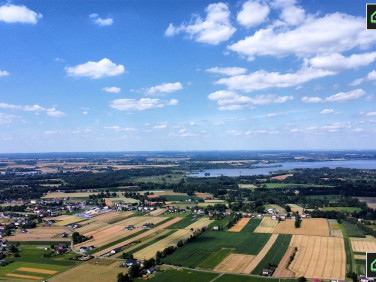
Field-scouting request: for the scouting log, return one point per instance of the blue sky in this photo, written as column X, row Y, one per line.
column 186, row 75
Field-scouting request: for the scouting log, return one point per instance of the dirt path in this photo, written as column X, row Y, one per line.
column 282, row 270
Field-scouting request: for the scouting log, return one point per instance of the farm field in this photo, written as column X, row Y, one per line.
column 317, row 256
column 278, row 209
column 202, row 247
column 88, row 272
column 343, row 209
column 335, row 229
column 239, row 225
column 184, row 275
column 282, row 177
column 296, row 208
column 363, row 245
column 186, row 221
column 371, row 201
column 235, row 263
column 114, row 232
column 172, row 240
column 290, row 185
column 252, row 225
column 353, row 230
column 41, row 234
column 255, row 262
column 110, row 216
column 157, row 212
column 267, row 225
column 29, row 270
column 282, row 270
column 138, row 237
column 53, row 195
column 247, row 186
column 288, row 227
column 275, row 254
column 204, row 221
column 68, row 219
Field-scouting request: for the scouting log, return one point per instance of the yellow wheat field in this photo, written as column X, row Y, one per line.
column 24, row 276
column 267, row 225
column 234, row 263
column 204, row 221
column 239, row 225
column 37, row 270
column 171, row 240
column 317, row 256
column 310, row 226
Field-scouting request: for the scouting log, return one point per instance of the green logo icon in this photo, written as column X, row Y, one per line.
column 373, row 263
column 373, row 20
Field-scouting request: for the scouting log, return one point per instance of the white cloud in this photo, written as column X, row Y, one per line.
column 192, row 123
column 317, row 35
column 118, row 128
column 234, row 132
column 290, row 14
column 160, row 126
column 370, row 77
column 101, row 22
column 261, row 131
column 51, row 132
column 4, row 73
column 252, row 14
column 112, row 89
column 339, row 97
column 370, row 114
column 230, row 71
column 261, row 79
column 229, row 100
column 163, row 88
column 6, row 118
column 327, row 111
column 33, row 108
column 140, row 105
column 95, row 70
column 18, row 14
column 215, row 29
column 337, row 62
column 52, row 112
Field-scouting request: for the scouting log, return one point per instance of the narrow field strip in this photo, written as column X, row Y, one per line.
column 239, row 225
column 24, row 276
column 261, row 254
column 235, row 263
column 37, row 270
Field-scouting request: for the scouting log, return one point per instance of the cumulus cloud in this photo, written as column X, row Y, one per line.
column 339, row 97
column 163, row 88
column 52, row 112
column 4, row 73
column 229, row 100
column 262, row 80
column 290, row 13
column 99, row 21
column 337, row 62
column 141, row 104
column 18, row 14
column 229, row 71
column 252, row 14
column 370, row 77
column 325, row 36
column 327, row 111
column 95, row 70
column 112, row 89
column 160, row 126
column 214, row 29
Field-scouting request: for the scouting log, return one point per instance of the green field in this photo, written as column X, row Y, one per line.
column 245, row 278
column 188, row 220
column 222, row 223
column 215, row 258
column 160, row 179
column 195, row 252
column 251, row 225
column 350, row 261
column 324, row 197
column 179, row 198
column 343, row 209
column 353, row 230
column 275, row 254
column 12, row 268
column 183, row 275
column 291, row 185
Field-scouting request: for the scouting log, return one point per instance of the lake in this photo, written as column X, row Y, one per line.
column 358, row 164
